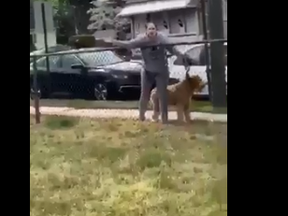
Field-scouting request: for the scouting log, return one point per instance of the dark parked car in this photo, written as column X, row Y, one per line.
column 99, row 75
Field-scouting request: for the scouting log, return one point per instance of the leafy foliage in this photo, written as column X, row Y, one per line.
column 103, row 16
column 71, row 16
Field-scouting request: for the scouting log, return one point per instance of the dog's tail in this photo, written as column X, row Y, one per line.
column 153, row 100
column 150, row 103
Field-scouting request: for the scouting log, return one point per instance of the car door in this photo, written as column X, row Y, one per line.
column 74, row 79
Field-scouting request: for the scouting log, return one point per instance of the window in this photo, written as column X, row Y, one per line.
column 68, row 60
column 54, row 62
column 165, row 24
column 197, row 56
column 194, row 54
column 100, row 58
column 202, row 56
column 180, row 23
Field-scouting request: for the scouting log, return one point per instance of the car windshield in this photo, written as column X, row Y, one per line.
column 198, row 54
column 100, row 58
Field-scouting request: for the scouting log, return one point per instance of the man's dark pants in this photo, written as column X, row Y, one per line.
column 147, row 80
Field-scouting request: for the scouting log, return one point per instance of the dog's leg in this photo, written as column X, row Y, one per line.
column 147, row 80
column 187, row 113
column 155, row 105
column 180, row 113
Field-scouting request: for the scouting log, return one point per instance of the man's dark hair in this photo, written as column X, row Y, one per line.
column 147, row 24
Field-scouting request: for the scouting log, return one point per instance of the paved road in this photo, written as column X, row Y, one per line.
column 120, row 113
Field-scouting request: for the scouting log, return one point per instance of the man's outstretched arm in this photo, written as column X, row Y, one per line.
column 165, row 40
column 131, row 44
column 174, row 51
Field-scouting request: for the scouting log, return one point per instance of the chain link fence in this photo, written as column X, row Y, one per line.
column 101, row 74
column 109, row 73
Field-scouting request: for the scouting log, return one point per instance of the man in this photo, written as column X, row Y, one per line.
column 155, row 66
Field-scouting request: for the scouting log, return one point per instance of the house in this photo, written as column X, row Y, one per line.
column 176, row 18
column 37, row 25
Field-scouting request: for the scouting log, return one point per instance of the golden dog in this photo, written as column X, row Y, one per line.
column 179, row 95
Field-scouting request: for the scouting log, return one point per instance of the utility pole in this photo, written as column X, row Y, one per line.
column 218, row 84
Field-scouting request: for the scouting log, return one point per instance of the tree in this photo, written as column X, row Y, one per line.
column 64, row 19
column 103, row 16
column 79, row 9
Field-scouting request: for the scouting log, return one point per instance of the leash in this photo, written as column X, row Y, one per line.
column 186, row 65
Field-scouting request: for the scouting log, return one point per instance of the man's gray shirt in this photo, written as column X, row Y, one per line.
column 154, row 56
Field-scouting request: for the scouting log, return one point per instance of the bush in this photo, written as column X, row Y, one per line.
column 82, row 41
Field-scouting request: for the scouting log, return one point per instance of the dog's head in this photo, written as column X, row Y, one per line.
column 195, row 82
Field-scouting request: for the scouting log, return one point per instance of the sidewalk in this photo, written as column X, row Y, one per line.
column 120, row 113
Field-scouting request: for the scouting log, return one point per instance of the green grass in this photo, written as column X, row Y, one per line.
column 196, row 105
column 82, row 167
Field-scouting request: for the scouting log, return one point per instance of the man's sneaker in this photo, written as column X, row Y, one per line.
column 155, row 117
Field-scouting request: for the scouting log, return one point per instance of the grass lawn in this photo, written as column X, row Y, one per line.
column 196, row 105
column 82, row 167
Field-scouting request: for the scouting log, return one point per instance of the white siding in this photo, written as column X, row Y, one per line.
column 161, row 21
column 177, row 21
column 139, row 24
column 191, row 19
column 171, row 22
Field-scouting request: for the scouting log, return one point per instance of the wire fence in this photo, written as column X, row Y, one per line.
column 108, row 73
column 101, row 74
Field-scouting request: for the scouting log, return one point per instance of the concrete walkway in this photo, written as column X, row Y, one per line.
column 120, row 113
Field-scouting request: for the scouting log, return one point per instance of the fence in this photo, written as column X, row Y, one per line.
column 101, row 73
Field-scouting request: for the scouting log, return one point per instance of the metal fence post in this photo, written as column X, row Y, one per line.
column 218, row 83
column 36, row 92
column 207, row 54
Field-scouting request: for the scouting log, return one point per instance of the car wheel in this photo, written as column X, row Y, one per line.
column 100, row 91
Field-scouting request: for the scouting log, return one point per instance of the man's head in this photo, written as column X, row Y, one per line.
column 151, row 30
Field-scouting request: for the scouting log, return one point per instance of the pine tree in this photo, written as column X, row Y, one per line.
column 103, row 16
